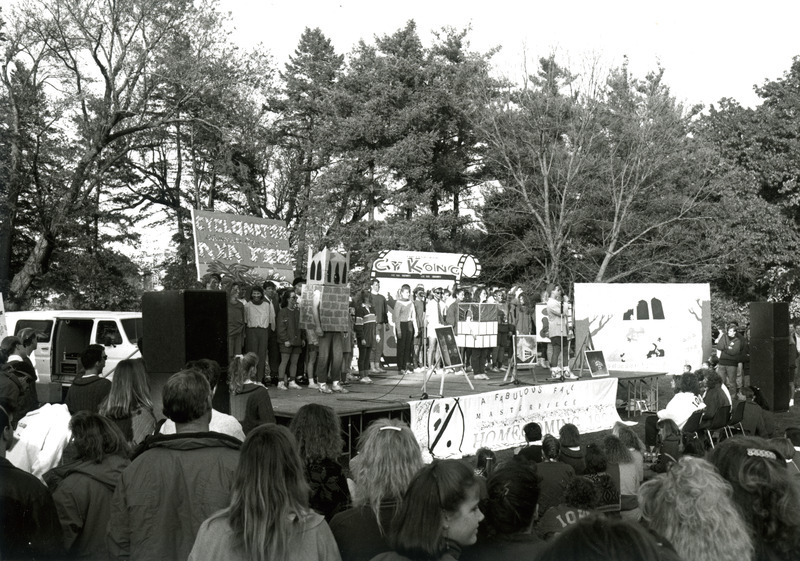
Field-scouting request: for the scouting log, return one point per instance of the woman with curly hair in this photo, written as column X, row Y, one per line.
column 692, row 507
column 767, row 495
column 83, row 488
column 623, row 470
column 633, row 443
column 268, row 516
column 388, row 457
column 510, row 505
column 596, row 471
column 318, row 431
column 128, row 402
column 439, row 514
column 250, row 403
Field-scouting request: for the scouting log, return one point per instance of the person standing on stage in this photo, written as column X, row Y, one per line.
column 273, row 348
column 378, row 302
column 405, row 324
column 558, row 329
column 260, row 318
column 236, row 323
column 365, row 333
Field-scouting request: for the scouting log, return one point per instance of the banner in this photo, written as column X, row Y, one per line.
column 454, row 427
column 257, row 247
column 647, row 327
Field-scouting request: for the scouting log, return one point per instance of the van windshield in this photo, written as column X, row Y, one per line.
column 133, row 329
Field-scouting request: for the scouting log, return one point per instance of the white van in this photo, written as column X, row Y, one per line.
column 64, row 334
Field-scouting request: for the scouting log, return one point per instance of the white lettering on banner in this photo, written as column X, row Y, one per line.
column 495, row 419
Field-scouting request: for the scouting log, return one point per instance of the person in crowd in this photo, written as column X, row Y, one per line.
column 365, row 334
column 714, row 398
column 212, row 281
column 174, row 482
column 290, row 340
column 634, row 445
column 236, row 320
column 348, row 340
column 732, row 349
column 318, row 431
column 378, row 303
column 670, row 447
column 29, row 527
column 607, row 539
column 512, row 492
column 597, row 472
column 480, row 355
column 623, row 470
column 523, row 319
column 433, row 320
column 273, row 350
column 268, row 516
column 312, row 342
column 439, row 514
column 259, row 316
column 533, row 443
column 83, row 488
column 220, row 422
column 785, row 448
column 388, row 457
column 558, row 334
column 128, row 403
column 452, row 316
column 250, row 401
column 89, row 390
column 752, row 418
column 571, row 451
column 685, row 402
column 766, row 494
column 405, row 325
column 692, row 507
column 555, row 475
column 485, row 462
column 13, row 389
column 580, row 501
column 19, row 358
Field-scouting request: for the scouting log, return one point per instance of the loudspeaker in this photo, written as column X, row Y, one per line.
column 184, row 325
column 769, row 352
column 769, row 319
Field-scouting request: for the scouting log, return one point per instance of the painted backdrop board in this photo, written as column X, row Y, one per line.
column 647, row 327
column 257, row 247
column 457, row 426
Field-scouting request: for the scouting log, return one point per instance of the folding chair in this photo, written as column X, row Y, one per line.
column 736, row 420
column 718, row 423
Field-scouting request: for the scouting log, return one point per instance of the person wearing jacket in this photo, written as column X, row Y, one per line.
column 732, row 349
column 290, row 340
column 557, row 315
column 174, row 482
column 82, row 489
column 365, row 333
column 714, row 398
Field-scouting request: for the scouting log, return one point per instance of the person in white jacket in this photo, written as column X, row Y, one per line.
column 679, row 409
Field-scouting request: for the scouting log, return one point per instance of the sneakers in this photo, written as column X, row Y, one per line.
column 480, row 377
column 351, row 378
column 338, row 388
column 555, row 374
column 294, row 385
column 323, row 388
column 313, row 384
column 282, row 386
column 569, row 375
column 366, row 380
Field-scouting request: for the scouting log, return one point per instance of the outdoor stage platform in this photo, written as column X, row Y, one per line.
column 390, row 393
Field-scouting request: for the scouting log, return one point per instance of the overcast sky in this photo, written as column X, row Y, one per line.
column 710, row 49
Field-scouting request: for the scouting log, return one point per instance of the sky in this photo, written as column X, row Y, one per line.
column 710, row 49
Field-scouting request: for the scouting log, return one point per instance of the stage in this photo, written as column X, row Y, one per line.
column 391, row 395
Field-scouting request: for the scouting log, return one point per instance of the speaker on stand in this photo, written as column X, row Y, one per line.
column 769, row 352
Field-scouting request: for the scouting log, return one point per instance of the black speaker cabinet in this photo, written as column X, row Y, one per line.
column 184, row 325
column 769, row 352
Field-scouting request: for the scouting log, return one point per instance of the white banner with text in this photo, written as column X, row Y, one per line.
column 453, row 427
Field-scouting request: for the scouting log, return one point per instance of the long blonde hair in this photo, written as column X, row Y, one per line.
column 130, row 390
column 388, row 458
column 269, row 495
column 239, row 371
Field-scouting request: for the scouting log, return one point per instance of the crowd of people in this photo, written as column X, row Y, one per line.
column 265, row 320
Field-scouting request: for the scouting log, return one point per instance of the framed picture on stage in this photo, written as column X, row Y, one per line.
column 448, row 347
column 525, row 355
column 597, row 363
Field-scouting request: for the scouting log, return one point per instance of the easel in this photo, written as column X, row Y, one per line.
column 512, row 366
column 452, row 367
column 584, row 333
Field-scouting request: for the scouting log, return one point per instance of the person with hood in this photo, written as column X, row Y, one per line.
column 174, row 482
column 82, row 489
